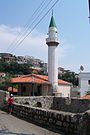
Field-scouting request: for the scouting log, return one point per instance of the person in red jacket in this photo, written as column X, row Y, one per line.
column 10, row 104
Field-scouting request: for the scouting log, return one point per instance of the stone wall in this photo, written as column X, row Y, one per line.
column 71, row 105
column 69, row 123
column 3, row 98
column 46, row 102
column 56, row 103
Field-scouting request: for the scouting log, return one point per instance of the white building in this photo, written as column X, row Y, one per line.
column 64, row 89
column 84, row 83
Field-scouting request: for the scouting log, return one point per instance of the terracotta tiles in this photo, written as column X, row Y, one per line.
column 86, row 97
column 34, row 78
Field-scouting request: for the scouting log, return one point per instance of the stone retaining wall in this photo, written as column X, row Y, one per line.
column 46, row 102
column 71, row 105
column 69, row 123
column 3, row 98
column 56, row 103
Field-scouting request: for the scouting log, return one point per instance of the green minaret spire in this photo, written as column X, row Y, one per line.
column 52, row 22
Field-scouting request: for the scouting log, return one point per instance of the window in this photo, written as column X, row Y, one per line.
column 89, row 82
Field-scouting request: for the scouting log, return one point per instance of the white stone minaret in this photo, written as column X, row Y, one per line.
column 52, row 42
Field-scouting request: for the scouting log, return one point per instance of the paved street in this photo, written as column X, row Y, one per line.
column 10, row 125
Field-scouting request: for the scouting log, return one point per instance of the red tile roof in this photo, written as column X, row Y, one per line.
column 86, row 97
column 35, row 78
column 29, row 79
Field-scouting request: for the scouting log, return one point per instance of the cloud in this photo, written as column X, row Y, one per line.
column 33, row 45
column 64, row 50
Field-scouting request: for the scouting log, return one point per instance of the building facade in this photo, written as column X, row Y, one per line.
column 84, row 83
column 38, row 85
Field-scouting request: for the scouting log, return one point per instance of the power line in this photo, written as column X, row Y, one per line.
column 26, row 31
column 35, row 25
column 89, row 10
column 27, row 23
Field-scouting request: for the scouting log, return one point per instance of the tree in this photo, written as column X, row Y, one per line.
column 15, row 68
column 6, row 82
column 71, row 77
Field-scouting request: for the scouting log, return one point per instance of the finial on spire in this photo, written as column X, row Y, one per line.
column 52, row 12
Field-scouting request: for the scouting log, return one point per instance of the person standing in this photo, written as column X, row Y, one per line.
column 10, row 104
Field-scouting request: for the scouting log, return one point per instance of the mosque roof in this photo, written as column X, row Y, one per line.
column 36, row 78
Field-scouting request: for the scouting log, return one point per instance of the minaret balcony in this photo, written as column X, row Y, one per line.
column 54, row 41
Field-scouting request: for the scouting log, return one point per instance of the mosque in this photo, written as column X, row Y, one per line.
column 45, row 85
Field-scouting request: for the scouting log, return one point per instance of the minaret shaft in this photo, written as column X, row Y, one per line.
column 53, row 65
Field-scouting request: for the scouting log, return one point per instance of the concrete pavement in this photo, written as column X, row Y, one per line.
column 10, row 125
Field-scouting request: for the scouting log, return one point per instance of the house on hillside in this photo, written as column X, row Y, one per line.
column 2, row 74
column 38, row 85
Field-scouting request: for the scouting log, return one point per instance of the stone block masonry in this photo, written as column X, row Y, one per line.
column 56, row 103
column 58, row 121
column 70, row 105
column 3, row 98
column 45, row 101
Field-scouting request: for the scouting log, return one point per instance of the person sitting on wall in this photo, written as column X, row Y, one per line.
column 10, row 104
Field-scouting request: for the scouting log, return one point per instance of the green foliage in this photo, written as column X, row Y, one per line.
column 6, row 81
column 71, row 77
column 15, row 68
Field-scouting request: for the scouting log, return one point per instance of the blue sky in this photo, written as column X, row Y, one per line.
column 71, row 17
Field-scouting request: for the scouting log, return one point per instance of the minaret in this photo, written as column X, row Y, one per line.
column 52, row 42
